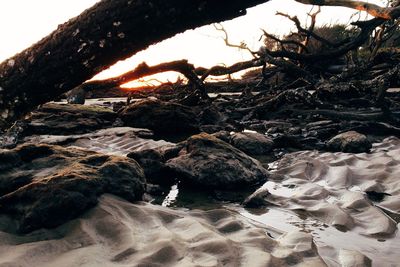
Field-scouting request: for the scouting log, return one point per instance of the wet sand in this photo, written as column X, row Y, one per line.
column 118, row 233
column 318, row 214
column 347, row 201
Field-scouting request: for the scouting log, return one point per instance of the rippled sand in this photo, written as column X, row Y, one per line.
column 118, row 141
column 118, row 233
column 323, row 209
column 346, row 200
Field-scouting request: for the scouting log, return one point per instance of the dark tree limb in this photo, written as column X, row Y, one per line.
column 372, row 9
column 144, row 70
column 99, row 37
column 242, row 45
column 285, row 42
column 313, row 17
column 221, row 70
column 366, row 28
column 304, row 31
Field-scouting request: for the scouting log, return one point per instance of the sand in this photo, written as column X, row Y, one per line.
column 328, row 193
column 332, row 186
column 118, row 141
column 319, row 214
column 118, row 233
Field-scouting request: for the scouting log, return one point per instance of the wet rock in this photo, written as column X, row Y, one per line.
column 376, row 196
column 351, row 142
column 209, row 162
column 64, row 119
column 116, row 106
column 12, row 136
column 76, row 96
column 210, row 115
column 274, row 130
column 160, row 117
column 153, row 164
column 223, row 135
column 286, row 141
column 154, row 190
column 294, row 130
column 257, row 199
column 44, row 186
column 252, row 143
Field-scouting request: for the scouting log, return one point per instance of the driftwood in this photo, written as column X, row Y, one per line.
column 143, row 70
column 114, row 30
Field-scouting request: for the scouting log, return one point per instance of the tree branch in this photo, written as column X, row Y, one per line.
column 372, row 9
column 143, row 70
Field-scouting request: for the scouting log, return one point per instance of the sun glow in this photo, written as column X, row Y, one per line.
column 153, row 80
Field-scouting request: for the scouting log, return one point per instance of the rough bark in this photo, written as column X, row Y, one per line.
column 109, row 31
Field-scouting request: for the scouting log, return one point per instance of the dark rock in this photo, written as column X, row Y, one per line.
column 76, row 96
column 286, row 141
column 263, row 125
column 252, row 143
column 44, row 186
column 160, row 117
column 191, row 99
column 12, row 136
column 210, row 115
column 294, row 130
column 351, row 142
column 273, row 130
column 116, row 106
column 376, row 196
column 169, row 152
column 209, row 162
column 68, row 119
column 154, row 190
column 257, row 199
column 223, row 135
column 153, row 163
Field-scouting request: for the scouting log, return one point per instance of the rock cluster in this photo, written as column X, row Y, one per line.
column 44, row 185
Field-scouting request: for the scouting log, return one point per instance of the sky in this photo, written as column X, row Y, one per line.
column 24, row 22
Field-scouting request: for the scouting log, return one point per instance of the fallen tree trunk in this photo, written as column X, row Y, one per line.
column 99, row 37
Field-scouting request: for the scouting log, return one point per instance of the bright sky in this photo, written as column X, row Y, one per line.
column 24, row 22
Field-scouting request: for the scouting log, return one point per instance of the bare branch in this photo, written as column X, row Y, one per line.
column 313, row 17
column 372, row 9
column 285, row 42
column 296, row 21
column 220, row 70
column 242, row 45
